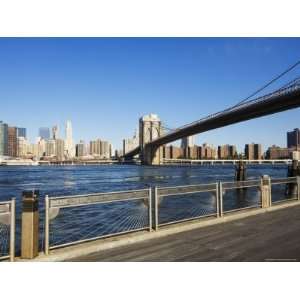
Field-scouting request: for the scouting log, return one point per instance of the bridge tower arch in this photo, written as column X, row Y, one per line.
column 150, row 129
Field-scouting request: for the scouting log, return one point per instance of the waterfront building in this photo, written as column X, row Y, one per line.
column 50, row 148
column 32, row 151
column 69, row 146
column 173, row 152
column 100, row 149
column 21, row 132
column 55, row 132
column 253, row 151
column 41, row 147
column 207, row 151
column 44, row 133
column 227, row 152
column 3, row 139
column 188, row 141
column 60, row 149
column 80, row 149
column 276, row 152
column 293, row 138
column 22, row 145
column 131, row 143
column 12, row 141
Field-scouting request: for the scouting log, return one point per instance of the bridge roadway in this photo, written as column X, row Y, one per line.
column 271, row 236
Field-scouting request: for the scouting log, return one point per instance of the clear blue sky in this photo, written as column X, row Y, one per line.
column 103, row 85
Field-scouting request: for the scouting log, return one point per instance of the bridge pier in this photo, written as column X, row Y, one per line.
column 152, row 155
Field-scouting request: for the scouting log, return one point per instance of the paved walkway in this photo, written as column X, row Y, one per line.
column 270, row 236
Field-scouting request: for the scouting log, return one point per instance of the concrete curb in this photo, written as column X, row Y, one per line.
column 72, row 252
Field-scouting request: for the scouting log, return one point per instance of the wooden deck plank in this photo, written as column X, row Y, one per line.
column 270, row 236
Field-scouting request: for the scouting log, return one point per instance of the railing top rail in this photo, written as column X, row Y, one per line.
column 96, row 194
column 242, row 181
column 92, row 199
column 186, row 186
column 5, row 202
column 283, row 180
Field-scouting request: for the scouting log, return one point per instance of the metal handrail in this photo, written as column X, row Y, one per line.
column 12, row 213
column 145, row 194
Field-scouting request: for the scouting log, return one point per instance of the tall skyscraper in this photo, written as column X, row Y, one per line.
column 293, row 138
column 3, row 139
column 60, row 149
column 55, row 132
column 21, row 132
column 44, row 133
column 80, row 149
column 69, row 146
column 12, row 141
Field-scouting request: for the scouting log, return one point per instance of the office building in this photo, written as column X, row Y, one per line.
column 3, row 139
column 100, row 149
column 44, row 133
column 69, row 145
column 293, row 138
column 131, row 143
column 55, row 132
column 276, row 152
column 50, row 148
column 80, row 149
column 12, row 141
column 22, row 145
column 60, row 149
column 188, row 141
column 21, row 132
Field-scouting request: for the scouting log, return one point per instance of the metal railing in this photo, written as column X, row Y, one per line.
column 168, row 199
column 243, row 194
column 285, row 189
column 107, row 215
column 7, row 230
column 76, row 219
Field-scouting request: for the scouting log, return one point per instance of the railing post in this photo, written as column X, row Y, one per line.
column 30, row 225
column 155, row 208
column 266, row 195
column 12, row 229
column 221, row 199
column 298, row 187
column 217, row 200
column 47, row 216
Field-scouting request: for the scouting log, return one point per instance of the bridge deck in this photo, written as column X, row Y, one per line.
column 266, row 237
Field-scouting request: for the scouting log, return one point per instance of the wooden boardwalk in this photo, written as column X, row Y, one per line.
column 272, row 236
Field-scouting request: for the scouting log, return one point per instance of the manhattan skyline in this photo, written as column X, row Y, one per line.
column 105, row 84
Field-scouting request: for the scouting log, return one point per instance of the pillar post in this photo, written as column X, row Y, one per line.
column 240, row 171
column 266, row 199
column 30, row 225
column 293, row 171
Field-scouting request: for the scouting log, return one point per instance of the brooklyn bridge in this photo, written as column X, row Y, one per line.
column 153, row 137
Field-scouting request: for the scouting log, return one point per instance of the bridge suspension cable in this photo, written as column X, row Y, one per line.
column 270, row 82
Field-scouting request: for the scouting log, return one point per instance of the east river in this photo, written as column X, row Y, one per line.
column 81, row 223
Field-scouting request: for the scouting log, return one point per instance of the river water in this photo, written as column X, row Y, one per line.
column 80, row 223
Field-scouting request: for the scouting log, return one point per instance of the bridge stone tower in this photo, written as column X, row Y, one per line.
column 150, row 129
